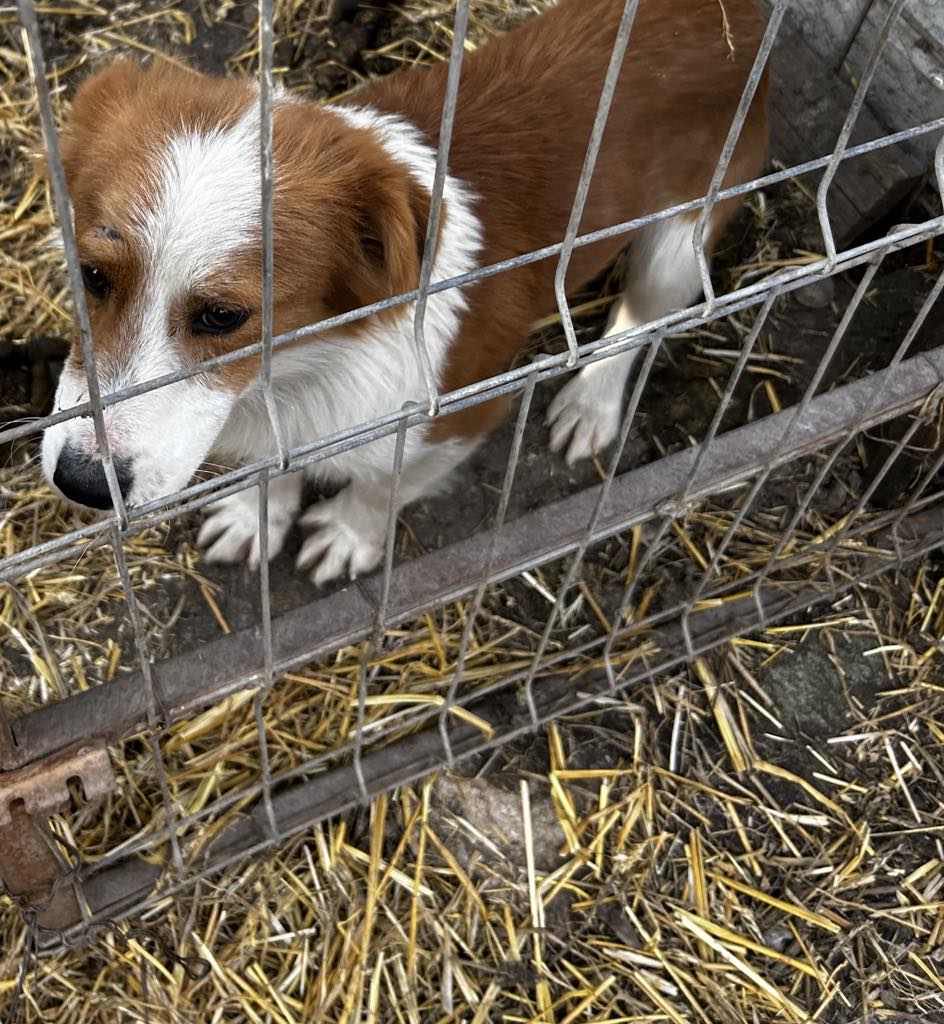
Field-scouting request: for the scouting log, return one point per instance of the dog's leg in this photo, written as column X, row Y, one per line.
column 231, row 530
column 663, row 276
column 350, row 529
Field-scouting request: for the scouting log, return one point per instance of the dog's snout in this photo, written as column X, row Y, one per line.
column 81, row 478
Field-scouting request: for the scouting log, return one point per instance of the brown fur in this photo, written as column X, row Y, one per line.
column 350, row 224
column 526, row 106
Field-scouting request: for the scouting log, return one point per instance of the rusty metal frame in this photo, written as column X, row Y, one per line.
column 32, row 866
column 217, row 669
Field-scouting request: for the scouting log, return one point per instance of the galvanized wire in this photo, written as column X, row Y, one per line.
column 610, row 82
column 858, row 101
column 197, row 496
column 694, row 483
column 511, row 468
column 730, row 144
column 580, row 702
column 459, row 32
column 627, row 227
column 63, row 206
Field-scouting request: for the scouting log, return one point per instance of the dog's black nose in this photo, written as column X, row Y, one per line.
column 81, row 478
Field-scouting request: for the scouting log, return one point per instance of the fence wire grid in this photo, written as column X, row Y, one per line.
column 590, row 648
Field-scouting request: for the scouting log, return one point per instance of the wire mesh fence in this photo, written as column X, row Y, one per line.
column 641, row 572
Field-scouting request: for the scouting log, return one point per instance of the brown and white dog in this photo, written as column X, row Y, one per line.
column 163, row 168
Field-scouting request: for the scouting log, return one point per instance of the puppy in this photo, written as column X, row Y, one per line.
column 163, row 169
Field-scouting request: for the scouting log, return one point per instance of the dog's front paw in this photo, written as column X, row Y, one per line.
column 348, row 539
column 586, row 411
column 231, row 530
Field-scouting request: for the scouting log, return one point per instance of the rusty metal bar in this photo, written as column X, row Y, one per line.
column 124, row 887
column 32, row 869
column 198, row 678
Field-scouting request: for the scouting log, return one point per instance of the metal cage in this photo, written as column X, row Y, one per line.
column 69, row 898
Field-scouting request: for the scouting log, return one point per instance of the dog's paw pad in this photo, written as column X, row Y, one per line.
column 585, row 415
column 338, row 547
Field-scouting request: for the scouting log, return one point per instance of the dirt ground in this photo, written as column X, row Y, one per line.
column 865, row 672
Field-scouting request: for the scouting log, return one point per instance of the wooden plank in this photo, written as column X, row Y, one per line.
column 819, row 57
column 909, row 85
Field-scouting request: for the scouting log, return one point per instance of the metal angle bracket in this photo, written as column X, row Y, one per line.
column 32, row 869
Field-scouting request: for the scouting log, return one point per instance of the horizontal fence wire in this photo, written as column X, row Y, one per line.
column 198, row 496
column 637, row 643
column 908, row 236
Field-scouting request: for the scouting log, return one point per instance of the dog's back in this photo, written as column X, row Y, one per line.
column 527, row 101
column 526, row 105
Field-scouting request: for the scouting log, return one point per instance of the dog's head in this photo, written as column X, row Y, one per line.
column 163, row 168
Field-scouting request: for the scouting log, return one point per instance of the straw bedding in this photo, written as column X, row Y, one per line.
column 754, row 839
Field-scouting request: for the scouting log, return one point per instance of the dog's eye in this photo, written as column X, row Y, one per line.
column 96, row 281
column 218, row 320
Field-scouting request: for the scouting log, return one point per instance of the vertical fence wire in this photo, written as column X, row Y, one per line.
column 727, row 153
column 488, row 564
column 762, row 477
column 586, row 175
column 373, row 645
column 450, row 100
column 629, row 418
column 839, row 151
column 668, row 516
column 918, row 323
column 63, row 207
column 874, row 402
column 796, row 416
column 939, row 169
column 787, row 535
column 153, row 705
column 932, row 471
column 266, row 189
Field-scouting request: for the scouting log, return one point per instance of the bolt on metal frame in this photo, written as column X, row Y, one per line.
column 403, row 747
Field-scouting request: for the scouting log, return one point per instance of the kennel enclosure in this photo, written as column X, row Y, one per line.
column 874, row 135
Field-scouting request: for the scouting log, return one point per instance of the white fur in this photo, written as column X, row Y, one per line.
column 351, row 527
column 210, row 197
column 230, row 533
column 663, row 276
column 332, row 385
column 158, row 431
column 203, row 207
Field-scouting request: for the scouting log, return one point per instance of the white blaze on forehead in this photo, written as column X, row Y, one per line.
column 201, row 207
column 206, row 202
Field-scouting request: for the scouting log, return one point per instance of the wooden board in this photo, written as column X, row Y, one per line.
column 908, row 88
column 820, row 55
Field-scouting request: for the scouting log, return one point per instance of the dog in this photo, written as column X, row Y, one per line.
column 163, row 169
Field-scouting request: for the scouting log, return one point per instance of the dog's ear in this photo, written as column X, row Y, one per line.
column 391, row 213
column 357, row 213
column 98, row 100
